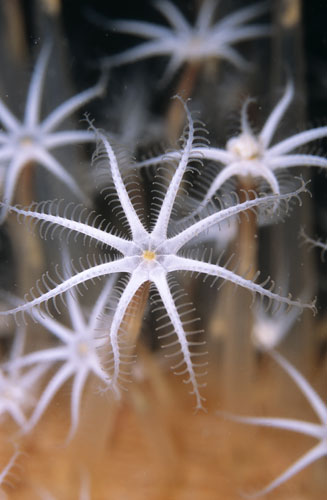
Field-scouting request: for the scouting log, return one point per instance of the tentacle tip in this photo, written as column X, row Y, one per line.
column 199, row 407
column 313, row 306
column 103, row 81
column 249, row 496
column 181, row 99
column 70, row 436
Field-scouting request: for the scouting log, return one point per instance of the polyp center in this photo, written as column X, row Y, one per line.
column 149, row 255
column 245, row 146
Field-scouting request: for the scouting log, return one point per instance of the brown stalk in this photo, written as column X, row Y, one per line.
column 288, row 51
column 103, row 413
column 29, row 255
column 150, row 401
column 232, row 318
column 175, row 117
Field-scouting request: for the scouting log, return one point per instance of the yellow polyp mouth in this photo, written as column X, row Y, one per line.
column 82, row 348
column 149, row 255
column 26, row 141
